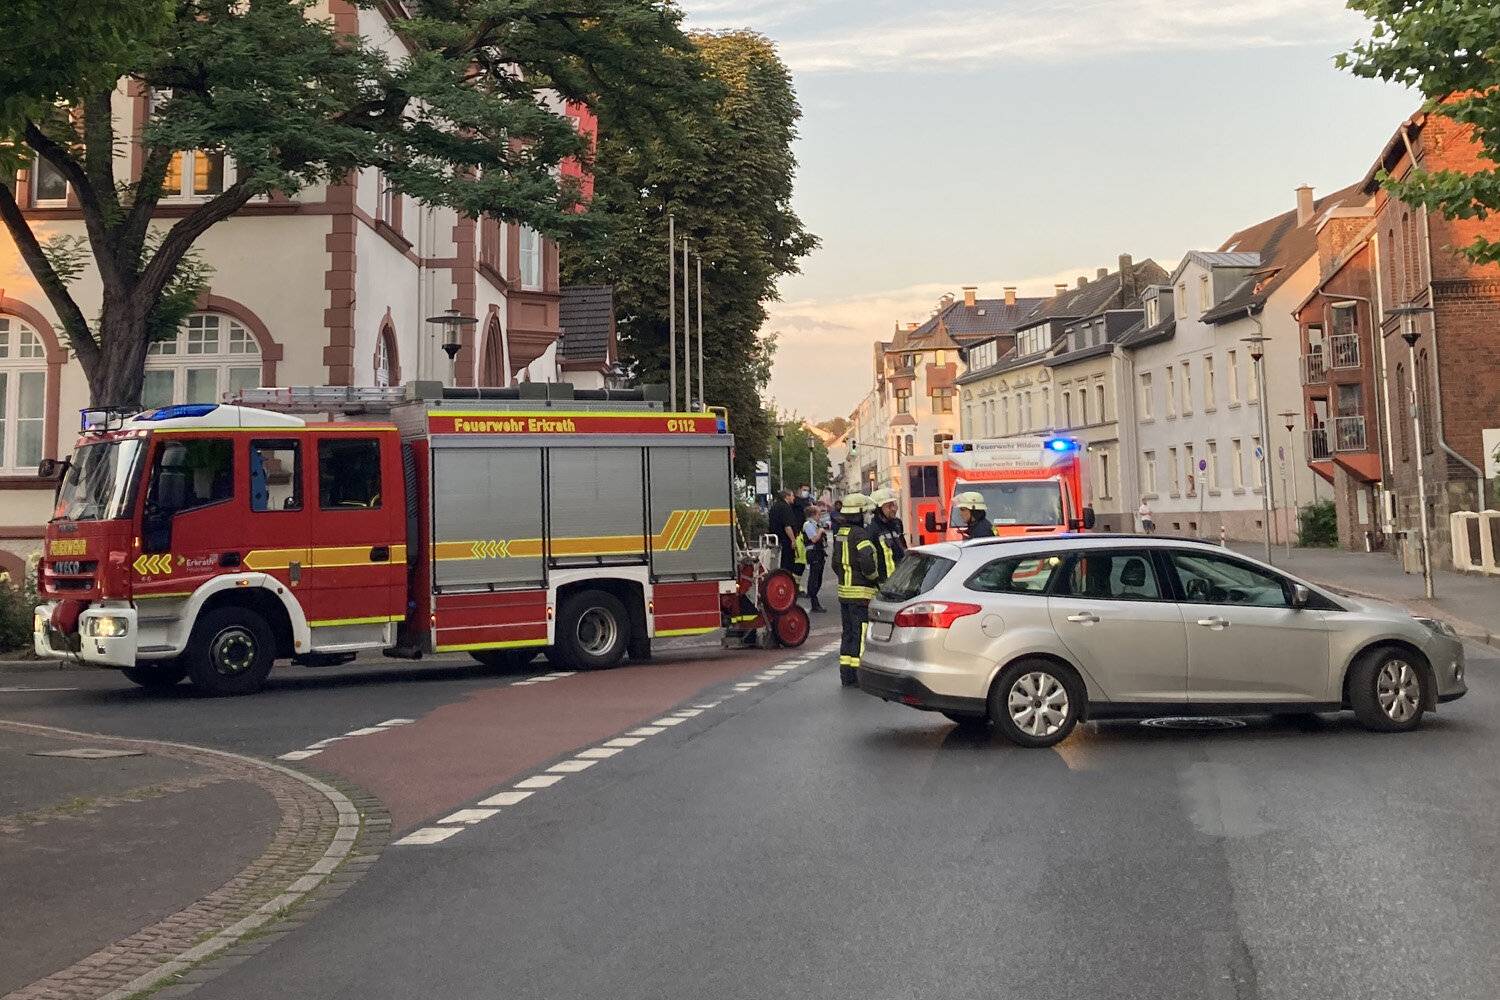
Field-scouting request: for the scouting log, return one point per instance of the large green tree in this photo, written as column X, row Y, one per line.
column 790, row 452
column 292, row 102
column 730, row 192
column 1449, row 51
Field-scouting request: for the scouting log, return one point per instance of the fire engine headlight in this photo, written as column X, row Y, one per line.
column 108, row 627
column 38, row 623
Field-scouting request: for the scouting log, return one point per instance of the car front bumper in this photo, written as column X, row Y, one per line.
column 894, row 685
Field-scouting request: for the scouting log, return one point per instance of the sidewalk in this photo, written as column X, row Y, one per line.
column 121, row 857
column 1471, row 604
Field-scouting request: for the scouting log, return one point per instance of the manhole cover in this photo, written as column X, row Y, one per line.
column 1194, row 722
column 89, row 753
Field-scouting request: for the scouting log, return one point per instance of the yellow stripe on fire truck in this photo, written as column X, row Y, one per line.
column 677, row 535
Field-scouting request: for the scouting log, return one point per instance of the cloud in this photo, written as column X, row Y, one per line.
column 824, row 355
column 974, row 35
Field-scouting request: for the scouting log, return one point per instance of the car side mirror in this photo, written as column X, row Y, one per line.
column 1300, row 596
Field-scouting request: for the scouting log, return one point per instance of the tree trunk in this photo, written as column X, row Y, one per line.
column 116, row 377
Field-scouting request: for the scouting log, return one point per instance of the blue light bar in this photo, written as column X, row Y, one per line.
column 958, row 446
column 1062, row 444
column 722, row 426
column 182, row 410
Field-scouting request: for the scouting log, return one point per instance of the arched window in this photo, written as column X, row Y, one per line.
column 382, row 359
column 23, row 396
column 211, row 354
column 1403, row 419
column 911, row 444
column 492, row 357
column 1424, row 401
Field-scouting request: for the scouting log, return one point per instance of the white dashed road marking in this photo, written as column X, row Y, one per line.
column 625, row 742
column 504, row 798
column 427, row 835
column 313, row 749
column 468, row 816
column 572, row 766
column 540, row 781
column 598, row 753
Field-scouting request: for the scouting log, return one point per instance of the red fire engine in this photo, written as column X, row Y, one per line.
column 210, row 540
column 1031, row 485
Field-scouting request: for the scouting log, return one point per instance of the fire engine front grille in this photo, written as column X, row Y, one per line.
column 69, row 576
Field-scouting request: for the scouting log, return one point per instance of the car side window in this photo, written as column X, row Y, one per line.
column 1016, row 575
column 1212, row 579
column 1113, row 576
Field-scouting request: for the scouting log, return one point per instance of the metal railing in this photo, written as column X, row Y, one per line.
column 1349, row 434
column 1314, row 372
column 1317, row 445
column 1344, row 350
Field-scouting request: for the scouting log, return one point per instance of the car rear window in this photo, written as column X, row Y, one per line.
column 918, row 573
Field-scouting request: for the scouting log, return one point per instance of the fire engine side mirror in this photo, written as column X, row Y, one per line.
column 932, row 522
column 48, row 468
column 1088, row 518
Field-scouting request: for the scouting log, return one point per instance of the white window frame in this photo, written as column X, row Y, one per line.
column 1213, row 466
column 1187, row 388
column 1104, row 475
column 1210, row 400
column 1260, row 465
column 1099, row 398
column 1237, row 453
column 14, row 366
column 1144, row 401
column 1205, row 293
column 177, row 356
column 1233, row 374
column 529, row 254
column 1148, row 473
column 1171, row 391
column 37, row 201
column 1190, row 460
column 1174, row 471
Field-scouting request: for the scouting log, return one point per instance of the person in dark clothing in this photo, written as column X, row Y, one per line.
column 857, row 570
column 785, row 525
column 887, row 531
column 815, row 536
column 802, row 501
column 972, row 511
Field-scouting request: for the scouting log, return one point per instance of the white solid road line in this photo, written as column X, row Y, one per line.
column 468, row 816
column 299, row 755
column 397, row 722
column 20, row 690
column 505, row 798
column 368, row 730
column 427, row 835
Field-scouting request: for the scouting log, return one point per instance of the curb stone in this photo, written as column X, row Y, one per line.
column 114, row 972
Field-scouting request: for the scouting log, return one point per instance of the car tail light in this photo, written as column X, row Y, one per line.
column 934, row 614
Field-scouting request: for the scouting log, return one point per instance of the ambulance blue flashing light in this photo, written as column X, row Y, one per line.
column 958, row 446
column 1062, row 444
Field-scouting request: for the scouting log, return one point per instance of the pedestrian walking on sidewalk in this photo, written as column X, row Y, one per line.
column 1148, row 523
column 815, row 537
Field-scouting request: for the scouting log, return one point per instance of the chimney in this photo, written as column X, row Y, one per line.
column 1059, row 289
column 1304, row 205
column 1101, row 274
column 912, row 326
column 1010, row 295
column 971, row 292
column 1082, row 281
column 1130, row 290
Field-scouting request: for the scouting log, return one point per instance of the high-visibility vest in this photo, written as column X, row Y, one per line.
column 854, row 564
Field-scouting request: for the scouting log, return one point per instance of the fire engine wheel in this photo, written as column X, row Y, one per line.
column 593, row 631
column 231, row 652
column 156, row 675
column 792, row 627
column 505, row 660
column 779, row 591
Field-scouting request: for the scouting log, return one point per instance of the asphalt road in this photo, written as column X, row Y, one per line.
column 799, row 840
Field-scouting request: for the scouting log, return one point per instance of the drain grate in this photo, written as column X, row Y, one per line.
column 89, row 753
column 1198, row 722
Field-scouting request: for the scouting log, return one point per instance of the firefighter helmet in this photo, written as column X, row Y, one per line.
column 971, row 500
column 854, row 503
column 882, row 497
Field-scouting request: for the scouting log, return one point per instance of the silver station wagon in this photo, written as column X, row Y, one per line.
column 1036, row 635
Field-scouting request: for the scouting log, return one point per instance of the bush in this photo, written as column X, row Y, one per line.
column 17, row 605
column 752, row 521
column 1318, row 525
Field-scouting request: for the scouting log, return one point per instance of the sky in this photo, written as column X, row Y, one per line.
column 1026, row 142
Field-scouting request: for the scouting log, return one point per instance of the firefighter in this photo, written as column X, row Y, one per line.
column 856, row 568
column 887, row 531
column 971, row 510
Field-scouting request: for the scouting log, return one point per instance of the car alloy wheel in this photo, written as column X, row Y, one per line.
column 1038, row 704
column 1399, row 690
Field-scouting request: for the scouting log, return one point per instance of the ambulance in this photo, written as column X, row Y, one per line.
column 209, row 540
column 1031, row 486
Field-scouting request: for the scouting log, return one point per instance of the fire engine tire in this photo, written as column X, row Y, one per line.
column 156, row 675
column 230, row 652
column 593, row 632
column 791, row 628
column 639, row 648
column 779, row 591
column 505, row 660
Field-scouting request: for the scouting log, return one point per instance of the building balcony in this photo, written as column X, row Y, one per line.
column 1343, row 350
column 1349, row 434
column 1314, row 372
column 1317, row 445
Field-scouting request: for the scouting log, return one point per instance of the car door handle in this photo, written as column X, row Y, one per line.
column 1084, row 617
column 1214, row 623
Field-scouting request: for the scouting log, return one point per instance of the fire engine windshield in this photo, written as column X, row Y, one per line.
column 1028, row 503
column 100, row 482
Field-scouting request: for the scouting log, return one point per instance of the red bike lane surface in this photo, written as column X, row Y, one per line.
column 457, row 753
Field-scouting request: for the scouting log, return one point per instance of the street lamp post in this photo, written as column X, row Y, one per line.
column 780, row 467
column 453, row 323
column 1289, row 418
column 811, row 482
column 1257, row 355
column 1408, row 314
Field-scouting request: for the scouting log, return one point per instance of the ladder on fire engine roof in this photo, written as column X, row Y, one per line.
column 352, row 400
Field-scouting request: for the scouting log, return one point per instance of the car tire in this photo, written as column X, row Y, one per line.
column 231, row 652
column 968, row 720
column 1053, row 699
column 1387, row 690
column 593, row 631
column 848, row 676
column 505, row 660
column 157, row 675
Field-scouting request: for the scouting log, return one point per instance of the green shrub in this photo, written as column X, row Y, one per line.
column 1319, row 525
column 752, row 522
column 17, row 604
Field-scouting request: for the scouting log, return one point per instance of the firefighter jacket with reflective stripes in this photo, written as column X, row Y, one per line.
column 980, row 527
column 856, row 565
column 889, row 537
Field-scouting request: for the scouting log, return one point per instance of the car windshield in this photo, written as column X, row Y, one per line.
column 99, row 485
column 918, row 573
column 1030, row 503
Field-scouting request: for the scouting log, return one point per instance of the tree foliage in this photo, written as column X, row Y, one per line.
column 469, row 121
column 1449, row 51
column 729, row 189
column 795, row 441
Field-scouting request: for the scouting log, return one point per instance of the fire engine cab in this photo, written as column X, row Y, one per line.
column 1031, row 486
column 208, row 541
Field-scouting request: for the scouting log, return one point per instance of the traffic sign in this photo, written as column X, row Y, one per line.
column 1260, row 453
column 1202, row 465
